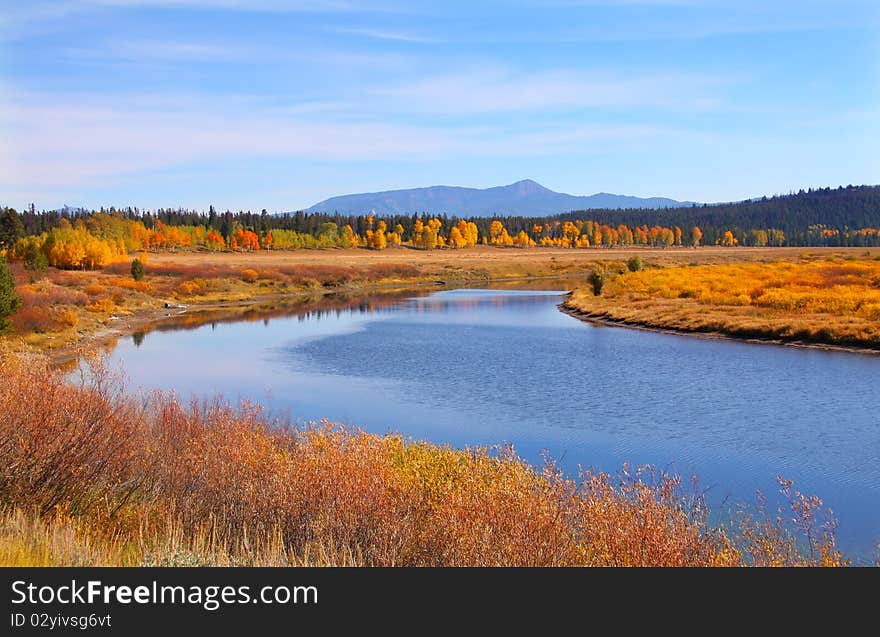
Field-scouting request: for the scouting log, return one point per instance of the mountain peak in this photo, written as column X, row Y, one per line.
column 524, row 197
column 527, row 187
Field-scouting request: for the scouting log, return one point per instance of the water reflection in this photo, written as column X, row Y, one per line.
column 301, row 308
column 337, row 305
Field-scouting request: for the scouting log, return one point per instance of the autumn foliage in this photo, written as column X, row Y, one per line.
column 161, row 482
column 94, row 240
column 77, row 248
column 835, row 301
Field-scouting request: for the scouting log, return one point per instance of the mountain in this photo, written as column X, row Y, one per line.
column 525, row 197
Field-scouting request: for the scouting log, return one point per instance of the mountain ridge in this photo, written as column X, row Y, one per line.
column 524, row 197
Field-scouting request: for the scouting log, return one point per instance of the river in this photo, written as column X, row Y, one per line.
column 480, row 366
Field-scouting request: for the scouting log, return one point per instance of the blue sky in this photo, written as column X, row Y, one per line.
column 279, row 104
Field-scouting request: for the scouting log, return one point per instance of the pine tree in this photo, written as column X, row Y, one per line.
column 11, row 228
column 9, row 301
column 137, row 270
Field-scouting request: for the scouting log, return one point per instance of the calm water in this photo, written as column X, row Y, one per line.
column 481, row 367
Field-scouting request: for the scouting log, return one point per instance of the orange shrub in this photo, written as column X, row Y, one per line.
column 46, row 309
column 249, row 275
column 188, row 288
column 34, row 319
column 104, row 305
column 74, row 446
column 51, row 295
column 271, row 275
column 130, row 284
column 392, row 270
column 67, row 318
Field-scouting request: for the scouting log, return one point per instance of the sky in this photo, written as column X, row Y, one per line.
column 278, row 104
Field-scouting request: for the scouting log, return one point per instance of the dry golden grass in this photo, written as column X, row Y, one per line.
column 490, row 259
column 834, row 301
column 93, row 476
column 26, row 539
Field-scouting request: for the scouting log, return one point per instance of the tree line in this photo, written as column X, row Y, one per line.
column 845, row 216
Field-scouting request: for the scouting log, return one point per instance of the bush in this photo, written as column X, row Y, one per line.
column 137, row 270
column 635, row 264
column 34, row 319
column 249, row 275
column 188, row 288
column 52, row 296
column 9, row 300
column 105, row 305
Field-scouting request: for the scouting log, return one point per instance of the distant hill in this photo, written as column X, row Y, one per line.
column 524, row 197
column 800, row 215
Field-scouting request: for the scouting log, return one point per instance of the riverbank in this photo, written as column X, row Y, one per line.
column 66, row 313
column 826, row 303
column 67, row 310
column 602, row 321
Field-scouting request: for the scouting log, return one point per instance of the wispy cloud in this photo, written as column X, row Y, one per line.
column 62, row 146
column 161, row 50
column 28, row 19
column 498, row 89
column 149, row 51
column 662, row 20
column 34, row 17
column 356, row 88
column 318, row 6
column 387, row 34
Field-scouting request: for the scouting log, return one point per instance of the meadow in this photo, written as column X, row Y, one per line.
column 95, row 476
column 817, row 299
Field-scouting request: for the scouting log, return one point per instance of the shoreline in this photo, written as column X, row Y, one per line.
column 604, row 321
column 130, row 324
column 127, row 325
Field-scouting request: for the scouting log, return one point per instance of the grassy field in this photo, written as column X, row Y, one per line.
column 484, row 260
column 95, row 477
column 815, row 299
